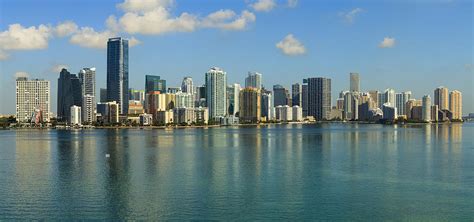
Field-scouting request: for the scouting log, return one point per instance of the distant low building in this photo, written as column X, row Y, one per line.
column 164, row 117
column 75, row 117
column 389, row 111
column 146, row 119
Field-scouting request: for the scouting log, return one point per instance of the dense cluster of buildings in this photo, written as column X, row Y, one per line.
column 216, row 101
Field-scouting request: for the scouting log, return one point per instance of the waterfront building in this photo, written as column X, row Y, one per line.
column 117, row 73
column 154, row 83
column 184, row 115
column 434, row 113
column 216, row 88
column 336, row 114
column 146, row 119
column 187, row 85
column 374, row 94
column 135, row 107
column 281, row 96
column 409, row 106
column 389, row 111
column 266, row 104
column 441, row 97
column 297, row 94
column 319, row 97
column 164, row 117
column 184, row 100
column 155, row 101
column 426, row 108
column 87, row 78
column 389, row 97
column 253, row 80
column 108, row 112
column 340, row 104
column 284, row 113
column 170, row 101
column 304, row 99
column 250, row 105
column 297, row 112
column 354, row 82
column 69, row 94
column 401, row 99
column 32, row 100
column 455, row 104
column 200, row 96
column 351, row 101
column 201, row 115
column 88, row 109
column 75, row 116
column 233, row 101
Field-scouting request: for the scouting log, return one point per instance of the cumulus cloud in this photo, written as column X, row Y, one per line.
column 228, row 20
column 387, row 42
column 144, row 5
column 263, row 5
column 292, row 3
column 89, row 38
column 21, row 74
column 291, row 46
column 18, row 37
column 58, row 67
column 65, row 28
column 350, row 16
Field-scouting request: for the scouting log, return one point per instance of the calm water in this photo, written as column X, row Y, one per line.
column 326, row 172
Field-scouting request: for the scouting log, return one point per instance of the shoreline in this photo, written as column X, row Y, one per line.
column 215, row 126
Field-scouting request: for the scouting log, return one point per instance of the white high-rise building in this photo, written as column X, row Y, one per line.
column 253, row 80
column 426, row 108
column 401, row 99
column 216, row 85
column 184, row 100
column 75, row 115
column 389, row 97
column 32, row 100
column 187, row 85
column 87, row 78
column 233, row 99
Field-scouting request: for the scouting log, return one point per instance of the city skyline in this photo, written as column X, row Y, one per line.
column 397, row 72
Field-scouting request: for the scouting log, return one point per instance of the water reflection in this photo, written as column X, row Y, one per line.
column 292, row 171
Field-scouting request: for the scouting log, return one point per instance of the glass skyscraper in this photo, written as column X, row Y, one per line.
column 154, row 83
column 319, row 97
column 69, row 94
column 117, row 72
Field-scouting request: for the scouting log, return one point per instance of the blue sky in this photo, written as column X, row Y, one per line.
column 406, row 45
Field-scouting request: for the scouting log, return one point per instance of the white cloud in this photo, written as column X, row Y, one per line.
column 144, row 5
column 291, row 46
column 21, row 74
column 292, row 3
column 387, row 43
column 263, row 5
column 58, row 67
column 157, row 21
column 65, row 28
column 350, row 16
column 18, row 37
column 133, row 42
column 89, row 38
column 222, row 20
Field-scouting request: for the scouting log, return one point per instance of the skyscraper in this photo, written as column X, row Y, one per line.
column 319, row 97
column 266, row 104
column 253, row 80
column 455, row 104
column 233, row 98
column 117, row 73
column 103, row 95
column 401, row 100
column 304, row 99
column 389, row 97
column 69, row 94
column 441, row 98
column 355, row 82
column 187, row 85
column 33, row 100
column 154, row 83
column 297, row 95
column 216, row 84
column 426, row 108
column 281, row 97
column 87, row 78
column 250, row 105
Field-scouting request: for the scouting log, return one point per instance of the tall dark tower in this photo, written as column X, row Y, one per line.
column 117, row 73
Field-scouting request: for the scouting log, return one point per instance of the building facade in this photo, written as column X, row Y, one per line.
column 354, row 82
column 32, row 100
column 319, row 97
column 253, row 80
column 426, row 108
column 441, row 98
column 154, row 83
column 216, row 89
column 297, row 95
column 250, row 105
column 455, row 104
column 187, row 85
column 69, row 94
column 117, row 73
column 281, row 97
